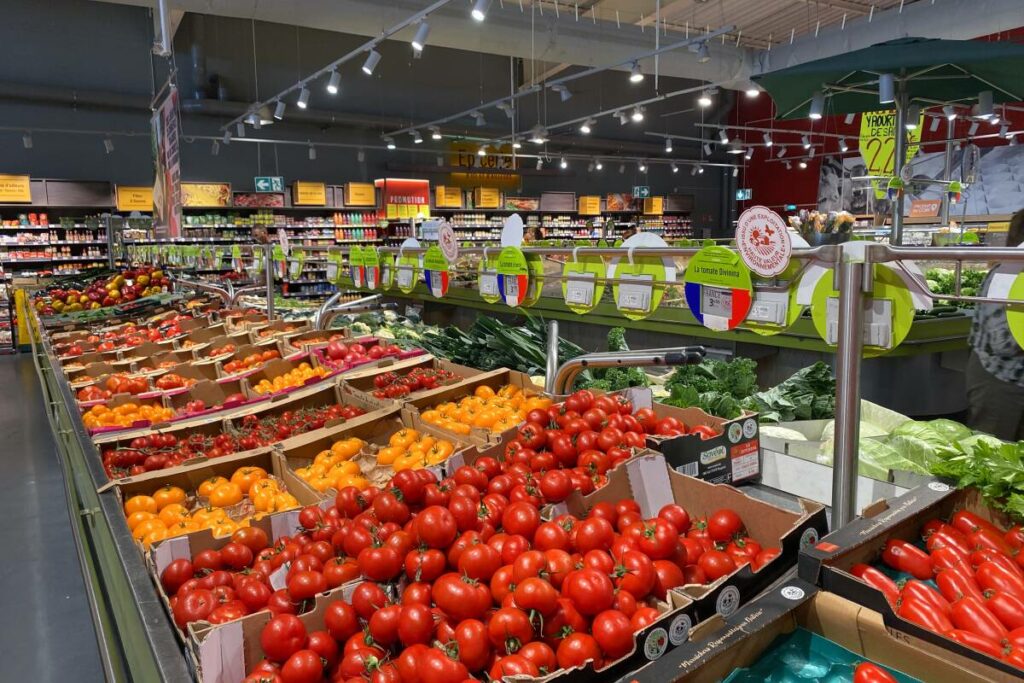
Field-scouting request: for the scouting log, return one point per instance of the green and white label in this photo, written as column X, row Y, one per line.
column 888, row 311
column 584, row 285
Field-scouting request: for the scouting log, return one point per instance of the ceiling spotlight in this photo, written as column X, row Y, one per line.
column 985, row 110
column 805, row 141
column 705, row 99
column 479, row 116
column 26, row 140
column 312, row 153
column 538, row 135
column 735, row 171
column 361, row 156
column 505, row 107
column 817, row 106
column 803, row 164
column 675, row 168
column 788, row 164
column 416, row 137
column 435, row 133
column 635, row 74
column 540, row 163
column 622, row 168
column 693, row 170
column 227, row 137
column 707, row 149
column 334, row 82
column 781, row 153
column 563, row 163
column 516, row 144
column 913, row 116
column 372, row 60
column 638, row 114
column 973, row 129
column 587, row 126
column 723, row 136
column 849, row 119
column 950, row 111
column 994, row 120
column 843, row 147
column 700, row 169
column 642, row 167
column 562, row 91
column 419, row 41
column 750, row 154
column 303, row 100
column 886, row 89
column 598, row 165
column 215, row 148
column 810, row 152
column 703, row 55
column 735, row 148
column 240, row 130
column 935, row 124
column 623, row 117
column 753, row 92
column 480, row 8
column 668, row 145
column 279, row 110
column 389, row 141
column 1004, row 131
column 253, row 119
column 482, row 152
column 767, row 137
column 108, row 145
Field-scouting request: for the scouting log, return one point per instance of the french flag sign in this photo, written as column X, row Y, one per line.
column 372, row 276
column 717, row 308
column 437, row 282
column 513, row 288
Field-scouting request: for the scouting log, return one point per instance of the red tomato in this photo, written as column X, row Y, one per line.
column 590, row 590
column 764, row 557
column 706, row 432
column 435, row 666
column 415, row 624
column 593, row 533
column 479, row 562
column 658, row 539
column 1008, row 608
column 424, row 565
column 512, row 665
column 461, row 597
column 556, row 486
column 536, row 594
column 667, row 575
column 643, row 617
column 877, row 579
column 995, row 577
column 966, row 522
column 715, row 564
column 923, row 614
column 541, row 654
column 908, row 558
column 980, row 643
column 866, row 672
column 635, row 574
column 520, row 518
column 676, row 514
column 509, row 629
column 435, row 526
column 303, row 666
column 383, row 625
column 613, row 633
column 367, row 598
column 971, row 614
column 175, row 575
column 577, row 650
column 341, row 620
column 380, row 564
column 953, row 585
column 723, row 524
column 474, row 644
column 283, row 636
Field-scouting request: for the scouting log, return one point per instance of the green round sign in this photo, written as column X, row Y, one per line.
column 888, row 287
column 718, row 288
column 1015, row 312
column 638, row 296
column 407, row 273
column 355, row 266
column 584, row 285
column 435, row 271
column 513, row 276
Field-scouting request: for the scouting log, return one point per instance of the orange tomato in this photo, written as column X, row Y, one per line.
column 137, row 503
column 347, row 448
column 137, row 517
column 225, row 495
column 172, row 514
column 484, row 391
column 245, row 477
column 404, row 438
column 166, row 495
column 388, row 454
column 207, row 487
column 145, row 527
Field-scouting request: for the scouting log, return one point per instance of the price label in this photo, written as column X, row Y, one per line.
column 635, row 292
column 489, row 283
column 404, row 277
column 387, row 274
column 332, row 270
column 716, row 307
column 580, row 290
column 512, row 288
column 294, row 268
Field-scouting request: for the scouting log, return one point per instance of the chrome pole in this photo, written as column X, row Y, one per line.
column 268, row 266
column 947, row 170
column 849, row 345
column 552, row 365
column 900, row 159
column 567, row 371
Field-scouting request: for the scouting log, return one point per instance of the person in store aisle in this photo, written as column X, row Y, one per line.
column 995, row 369
column 533, row 234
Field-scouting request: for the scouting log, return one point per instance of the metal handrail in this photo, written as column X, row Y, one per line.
column 567, row 371
column 331, row 309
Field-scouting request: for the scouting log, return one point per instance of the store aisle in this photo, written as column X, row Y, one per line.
column 45, row 625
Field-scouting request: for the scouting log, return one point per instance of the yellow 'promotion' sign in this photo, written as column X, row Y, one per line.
column 134, row 198
column 487, row 198
column 360, row 194
column 878, row 144
column 446, row 197
column 589, row 205
column 654, row 206
column 305, row 193
column 15, row 188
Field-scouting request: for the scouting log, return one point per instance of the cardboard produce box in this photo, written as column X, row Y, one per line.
column 301, row 342
column 242, row 319
column 205, row 351
column 247, row 351
column 732, row 457
column 278, row 328
column 361, row 380
column 273, row 369
column 376, row 430
column 828, row 562
column 215, row 396
column 368, row 360
column 495, row 379
column 721, row 646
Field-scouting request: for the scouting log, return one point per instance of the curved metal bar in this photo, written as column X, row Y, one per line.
column 681, row 355
column 224, row 294
column 330, row 309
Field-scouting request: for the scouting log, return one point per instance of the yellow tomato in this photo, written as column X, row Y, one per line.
column 348, row 448
column 389, row 454
column 285, row 501
column 267, row 484
column 404, row 438
column 245, row 477
column 484, row 391
column 207, row 487
column 143, row 528
column 263, row 500
column 172, row 514
column 137, row 503
column 153, row 536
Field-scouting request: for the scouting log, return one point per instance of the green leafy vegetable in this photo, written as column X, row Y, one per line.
column 993, row 467
column 716, row 387
column 613, row 379
column 809, row 394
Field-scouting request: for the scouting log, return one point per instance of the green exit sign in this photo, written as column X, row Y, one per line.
column 641, row 191
column 269, row 183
